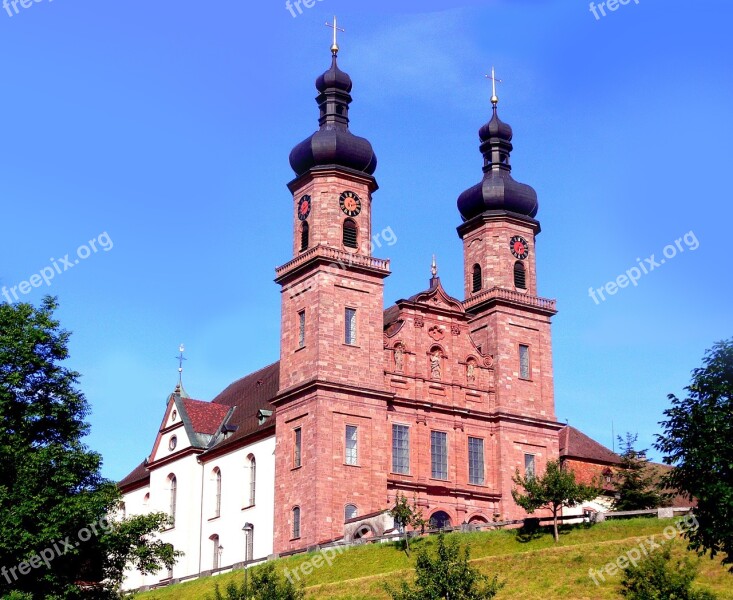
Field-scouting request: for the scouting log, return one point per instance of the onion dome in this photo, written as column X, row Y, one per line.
column 498, row 190
column 333, row 144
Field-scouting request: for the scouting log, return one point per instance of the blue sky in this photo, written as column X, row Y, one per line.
column 168, row 126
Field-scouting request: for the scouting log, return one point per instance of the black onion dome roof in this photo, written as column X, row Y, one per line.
column 498, row 190
column 333, row 143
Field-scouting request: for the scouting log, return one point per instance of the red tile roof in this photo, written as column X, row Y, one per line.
column 575, row 444
column 140, row 474
column 205, row 417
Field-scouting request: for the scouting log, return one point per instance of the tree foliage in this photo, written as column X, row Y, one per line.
column 636, row 485
column 447, row 576
column 406, row 516
column 655, row 578
column 557, row 488
column 697, row 441
column 266, row 584
column 51, row 488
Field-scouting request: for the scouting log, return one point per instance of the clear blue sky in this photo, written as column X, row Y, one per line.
column 168, row 126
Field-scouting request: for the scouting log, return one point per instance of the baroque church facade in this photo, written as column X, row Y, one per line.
column 439, row 399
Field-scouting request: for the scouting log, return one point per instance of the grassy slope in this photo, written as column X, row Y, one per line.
column 535, row 570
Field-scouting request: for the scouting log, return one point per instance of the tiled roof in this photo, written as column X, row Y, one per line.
column 575, row 444
column 206, row 417
column 138, row 475
column 249, row 395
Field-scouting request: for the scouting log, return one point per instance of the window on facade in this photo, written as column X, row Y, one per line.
column 477, row 281
column 298, row 447
column 401, row 449
column 170, row 569
column 350, row 326
column 301, row 329
column 349, row 236
column 252, row 480
column 439, row 454
column 217, row 492
column 351, row 445
column 249, row 538
column 529, row 465
column 475, row 461
column 173, row 488
column 523, row 361
column 217, row 548
column 520, row 276
column 350, row 512
column 296, row 522
column 304, row 236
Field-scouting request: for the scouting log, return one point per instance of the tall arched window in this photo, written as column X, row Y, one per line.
column 296, row 522
column 304, row 236
column 477, row 281
column 218, row 549
column 249, row 531
column 173, row 488
column 350, row 512
column 217, row 492
column 350, row 234
column 252, row 479
column 520, row 276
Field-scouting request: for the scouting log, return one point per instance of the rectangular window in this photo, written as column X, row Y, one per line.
column 529, row 467
column 351, row 449
column 249, row 543
column 301, row 329
column 350, row 326
column 401, row 449
column 439, row 454
column 475, row 461
column 298, row 446
column 523, row 361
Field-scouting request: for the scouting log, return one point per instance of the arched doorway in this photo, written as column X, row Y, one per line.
column 439, row 520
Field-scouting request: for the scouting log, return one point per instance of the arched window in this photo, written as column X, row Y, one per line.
column 304, row 236
column 477, row 281
column 296, row 522
column 252, row 479
column 520, row 276
column 249, row 531
column 123, row 510
column 217, row 492
column 440, row 520
column 350, row 234
column 350, row 512
column 218, row 549
column 146, row 500
column 173, row 488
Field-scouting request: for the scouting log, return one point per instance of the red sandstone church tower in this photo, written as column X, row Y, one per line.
column 331, row 435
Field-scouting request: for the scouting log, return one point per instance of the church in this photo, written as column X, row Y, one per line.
column 436, row 398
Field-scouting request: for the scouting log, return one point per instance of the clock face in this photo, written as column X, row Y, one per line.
column 519, row 247
column 350, row 204
column 304, row 208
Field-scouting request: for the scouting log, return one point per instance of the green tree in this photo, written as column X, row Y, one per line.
column 447, row 576
column 406, row 516
column 267, row 584
column 697, row 441
column 50, row 484
column 655, row 578
column 636, row 484
column 557, row 488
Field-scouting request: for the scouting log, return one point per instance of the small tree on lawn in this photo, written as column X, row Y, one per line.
column 655, row 579
column 267, row 584
column 406, row 516
column 636, row 485
column 557, row 488
column 447, row 576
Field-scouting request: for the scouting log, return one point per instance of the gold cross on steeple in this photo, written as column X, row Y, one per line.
column 494, row 81
column 336, row 29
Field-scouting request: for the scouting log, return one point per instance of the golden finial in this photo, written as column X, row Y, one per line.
column 494, row 81
column 434, row 268
column 336, row 29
